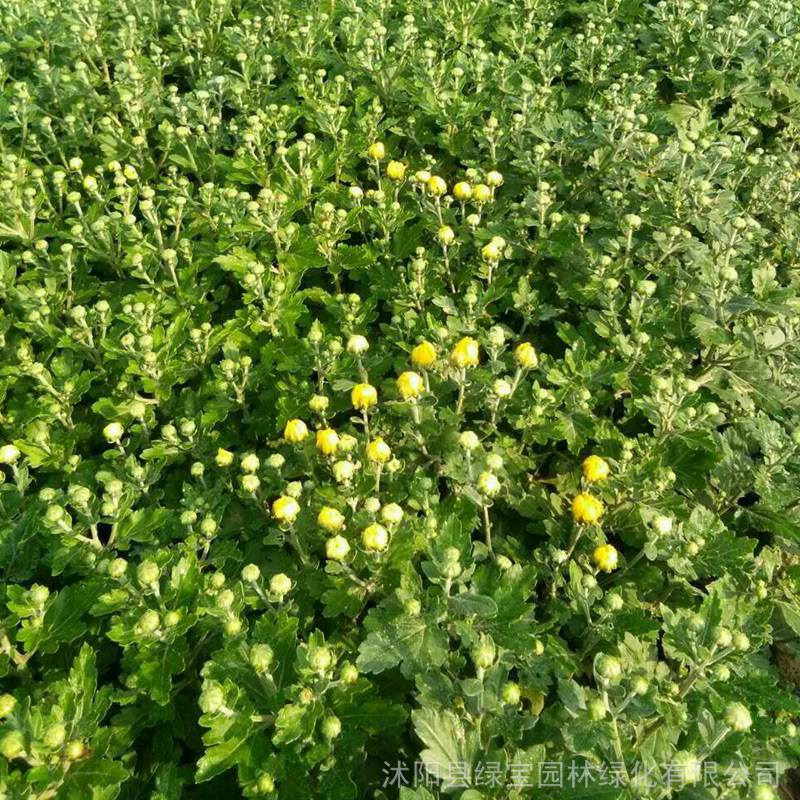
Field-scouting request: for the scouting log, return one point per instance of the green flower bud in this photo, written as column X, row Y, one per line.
column 320, row 659
column 738, row 718
column 608, row 668
column 331, row 727
column 75, row 750
column 484, row 652
column 7, row 705
column 12, row 745
column 261, row 657
column 741, row 641
column 280, row 584
column 55, row 736
column 348, row 673
column 511, row 694
column 148, row 573
column 597, row 709
column 265, row 784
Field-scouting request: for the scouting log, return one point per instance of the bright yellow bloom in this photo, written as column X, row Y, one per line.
column 465, row 353
column 481, row 193
column 396, row 170
column 376, row 150
column 327, row 441
column 587, row 508
column 436, row 186
column 330, row 519
column 606, row 557
column 525, row 355
column 378, row 451
column 285, row 509
column 595, row 469
column 462, row 191
column 410, row 385
column 363, row 396
column 295, row 431
column 423, row 355
column 375, row 537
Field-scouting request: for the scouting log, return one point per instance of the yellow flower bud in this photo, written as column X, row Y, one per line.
column 423, row 355
column 493, row 251
column 295, row 431
column 223, row 458
column 376, row 150
column 436, row 186
column 462, row 191
column 375, row 537
column 392, row 514
column 606, row 557
column 396, row 170
column 595, row 469
column 525, row 356
column 446, row 235
column 378, row 451
column 586, row 508
column 327, row 441
column 337, row 548
column 489, row 484
column 481, row 193
column 285, row 509
column 410, row 385
column 494, row 178
column 363, row 396
column 465, row 353
column 330, row 519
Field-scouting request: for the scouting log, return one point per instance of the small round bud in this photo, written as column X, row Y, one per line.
column 489, row 484
column 738, row 718
column 261, row 657
column 7, row 705
column 348, row 673
column 363, row 396
column 484, row 652
column 375, row 538
column 295, row 431
column 148, row 573
column 595, row 469
column 320, row 659
column 510, row 694
column 113, row 432
column 357, row 345
column 423, row 355
column 330, row 519
column 608, row 668
column 55, row 735
column 597, row 709
column 337, row 548
column 250, row 573
column 280, row 584
column 331, row 727
column 223, row 458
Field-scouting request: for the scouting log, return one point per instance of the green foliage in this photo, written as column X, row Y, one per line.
column 528, row 274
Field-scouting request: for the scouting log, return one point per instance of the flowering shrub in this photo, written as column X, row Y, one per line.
column 399, row 399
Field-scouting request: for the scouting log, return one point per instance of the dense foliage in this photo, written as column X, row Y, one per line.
column 388, row 383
